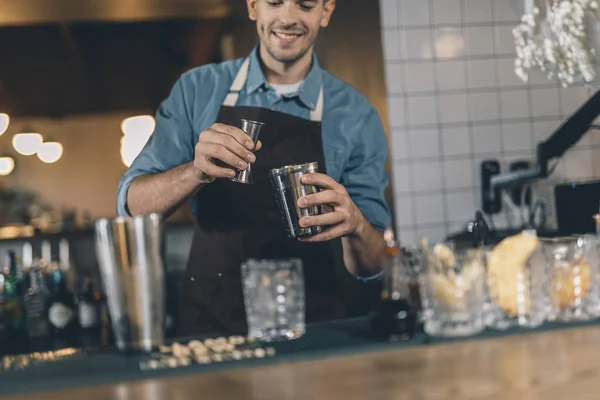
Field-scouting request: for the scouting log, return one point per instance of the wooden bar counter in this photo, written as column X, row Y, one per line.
column 550, row 365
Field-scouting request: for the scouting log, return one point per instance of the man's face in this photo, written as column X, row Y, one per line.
column 288, row 28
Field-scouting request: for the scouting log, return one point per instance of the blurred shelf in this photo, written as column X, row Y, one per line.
column 24, row 233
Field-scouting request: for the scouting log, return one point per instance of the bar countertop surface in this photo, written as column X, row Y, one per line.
column 556, row 364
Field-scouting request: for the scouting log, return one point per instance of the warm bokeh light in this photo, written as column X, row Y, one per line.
column 140, row 124
column 137, row 131
column 131, row 146
column 27, row 143
column 4, row 121
column 50, row 152
column 7, row 165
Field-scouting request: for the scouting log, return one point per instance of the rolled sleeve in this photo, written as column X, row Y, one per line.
column 365, row 177
column 170, row 145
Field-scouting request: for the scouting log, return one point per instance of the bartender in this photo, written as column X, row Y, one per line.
column 310, row 115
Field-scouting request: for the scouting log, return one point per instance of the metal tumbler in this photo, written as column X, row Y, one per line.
column 252, row 129
column 286, row 182
column 129, row 252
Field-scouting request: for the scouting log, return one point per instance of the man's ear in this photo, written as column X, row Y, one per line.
column 328, row 7
column 251, row 9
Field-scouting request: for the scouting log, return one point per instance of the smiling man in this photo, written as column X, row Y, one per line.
column 310, row 116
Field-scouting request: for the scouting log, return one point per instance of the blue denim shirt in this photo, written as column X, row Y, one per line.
column 354, row 142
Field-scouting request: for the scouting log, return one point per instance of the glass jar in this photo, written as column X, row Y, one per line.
column 516, row 283
column 452, row 291
column 572, row 270
column 395, row 316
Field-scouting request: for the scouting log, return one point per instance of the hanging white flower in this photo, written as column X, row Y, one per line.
column 557, row 43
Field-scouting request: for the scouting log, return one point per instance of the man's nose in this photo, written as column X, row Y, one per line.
column 288, row 12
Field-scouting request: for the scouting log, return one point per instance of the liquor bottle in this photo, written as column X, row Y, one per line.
column 66, row 265
column 395, row 317
column 13, row 298
column 36, row 303
column 2, row 320
column 62, row 311
column 88, row 307
column 88, row 312
column 26, row 258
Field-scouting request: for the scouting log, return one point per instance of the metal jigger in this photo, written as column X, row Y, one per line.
column 252, row 129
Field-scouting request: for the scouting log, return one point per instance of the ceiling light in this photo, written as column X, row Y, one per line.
column 7, row 165
column 4, row 121
column 27, row 143
column 140, row 124
column 50, row 152
column 131, row 146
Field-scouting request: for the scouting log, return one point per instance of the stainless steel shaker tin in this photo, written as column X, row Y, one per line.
column 129, row 252
column 288, row 188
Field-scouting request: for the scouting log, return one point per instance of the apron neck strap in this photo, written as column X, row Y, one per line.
column 316, row 115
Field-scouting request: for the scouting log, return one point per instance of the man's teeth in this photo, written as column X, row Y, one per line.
column 286, row 35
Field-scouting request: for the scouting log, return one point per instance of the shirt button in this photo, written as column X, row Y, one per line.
column 219, row 274
column 192, row 279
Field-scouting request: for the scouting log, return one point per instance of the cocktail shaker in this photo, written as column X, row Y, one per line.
column 129, row 252
column 288, row 188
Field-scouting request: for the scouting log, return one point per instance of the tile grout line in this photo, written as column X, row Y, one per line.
column 441, row 157
column 407, row 132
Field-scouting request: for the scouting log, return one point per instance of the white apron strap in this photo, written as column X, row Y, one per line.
column 316, row 115
column 238, row 84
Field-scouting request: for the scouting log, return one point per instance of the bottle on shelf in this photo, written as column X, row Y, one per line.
column 65, row 263
column 62, row 312
column 26, row 258
column 2, row 320
column 36, row 304
column 395, row 317
column 89, row 315
column 14, row 310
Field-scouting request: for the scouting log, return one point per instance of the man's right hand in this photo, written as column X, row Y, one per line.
column 227, row 143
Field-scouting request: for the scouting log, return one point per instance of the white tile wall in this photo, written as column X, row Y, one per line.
column 454, row 101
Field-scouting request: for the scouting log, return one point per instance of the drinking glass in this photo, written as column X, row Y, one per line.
column 452, row 291
column 516, row 283
column 572, row 270
column 274, row 298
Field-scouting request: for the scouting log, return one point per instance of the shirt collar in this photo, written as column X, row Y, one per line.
column 308, row 91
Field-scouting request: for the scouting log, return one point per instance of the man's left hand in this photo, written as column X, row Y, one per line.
column 345, row 219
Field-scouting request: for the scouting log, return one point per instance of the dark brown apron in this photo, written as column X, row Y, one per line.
column 238, row 221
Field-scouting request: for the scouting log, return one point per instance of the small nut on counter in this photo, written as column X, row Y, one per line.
column 184, row 362
column 221, row 341
column 172, row 362
column 203, row 359
column 199, row 351
column 165, row 349
column 236, row 340
column 195, row 344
